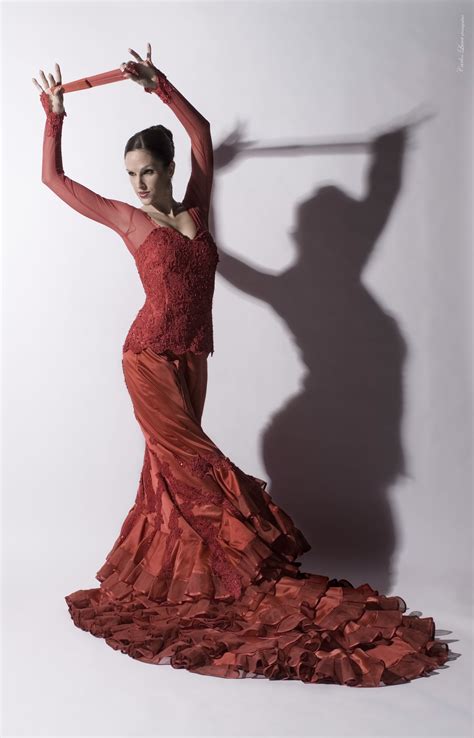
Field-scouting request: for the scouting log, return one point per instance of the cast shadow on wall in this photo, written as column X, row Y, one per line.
column 333, row 451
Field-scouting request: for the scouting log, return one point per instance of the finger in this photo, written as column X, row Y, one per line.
column 58, row 74
column 137, row 56
column 52, row 81
column 43, row 78
column 38, row 85
column 148, row 53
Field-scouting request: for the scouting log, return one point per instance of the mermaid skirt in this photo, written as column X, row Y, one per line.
column 204, row 573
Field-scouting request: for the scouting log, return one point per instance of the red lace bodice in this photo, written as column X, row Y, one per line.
column 177, row 272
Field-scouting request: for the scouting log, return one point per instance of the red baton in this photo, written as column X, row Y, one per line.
column 104, row 78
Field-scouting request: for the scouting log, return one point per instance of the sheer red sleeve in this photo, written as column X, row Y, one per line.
column 112, row 213
column 198, row 191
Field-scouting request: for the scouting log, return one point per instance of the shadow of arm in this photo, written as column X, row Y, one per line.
column 384, row 180
column 246, row 278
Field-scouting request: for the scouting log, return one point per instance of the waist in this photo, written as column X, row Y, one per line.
column 176, row 329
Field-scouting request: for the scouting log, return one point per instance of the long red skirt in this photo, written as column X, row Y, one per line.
column 203, row 575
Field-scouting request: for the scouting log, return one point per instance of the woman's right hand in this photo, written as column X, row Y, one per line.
column 53, row 89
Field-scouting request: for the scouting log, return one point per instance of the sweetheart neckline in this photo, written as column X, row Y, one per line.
column 200, row 231
column 158, row 225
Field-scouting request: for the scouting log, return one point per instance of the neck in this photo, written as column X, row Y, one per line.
column 165, row 204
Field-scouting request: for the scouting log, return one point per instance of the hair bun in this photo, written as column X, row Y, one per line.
column 163, row 129
column 157, row 139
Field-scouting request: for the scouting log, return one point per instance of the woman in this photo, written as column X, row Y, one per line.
column 204, row 574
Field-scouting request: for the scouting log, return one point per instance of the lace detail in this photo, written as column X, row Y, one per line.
column 191, row 500
column 201, row 464
column 259, row 508
column 147, row 501
column 163, row 88
column 178, row 276
column 54, row 120
column 170, row 545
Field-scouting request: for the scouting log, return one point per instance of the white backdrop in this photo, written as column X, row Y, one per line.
column 345, row 382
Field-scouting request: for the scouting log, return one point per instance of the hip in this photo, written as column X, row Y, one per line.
column 167, row 379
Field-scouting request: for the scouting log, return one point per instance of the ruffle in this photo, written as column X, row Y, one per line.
column 252, row 540
column 235, row 604
column 303, row 627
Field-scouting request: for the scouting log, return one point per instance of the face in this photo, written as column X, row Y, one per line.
column 150, row 179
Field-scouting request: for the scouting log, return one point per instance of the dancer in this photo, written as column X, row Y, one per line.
column 204, row 573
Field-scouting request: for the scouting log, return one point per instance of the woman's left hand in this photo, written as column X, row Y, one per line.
column 143, row 72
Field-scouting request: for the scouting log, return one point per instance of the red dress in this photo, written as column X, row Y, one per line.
column 204, row 573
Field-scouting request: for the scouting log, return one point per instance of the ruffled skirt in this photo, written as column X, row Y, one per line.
column 204, row 573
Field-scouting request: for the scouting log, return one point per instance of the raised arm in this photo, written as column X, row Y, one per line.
column 384, row 179
column 198, row 191
column 112, row 213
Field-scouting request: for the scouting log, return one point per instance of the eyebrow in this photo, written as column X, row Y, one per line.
column 147, row 166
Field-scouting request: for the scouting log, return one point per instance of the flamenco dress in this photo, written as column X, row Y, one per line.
column 204, row 574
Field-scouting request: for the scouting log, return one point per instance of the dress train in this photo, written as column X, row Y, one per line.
column 204, row 574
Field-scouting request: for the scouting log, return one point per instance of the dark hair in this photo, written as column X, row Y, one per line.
column 158, row 140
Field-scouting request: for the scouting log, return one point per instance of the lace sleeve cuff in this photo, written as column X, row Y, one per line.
column 53, row 120
column 163, row 88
